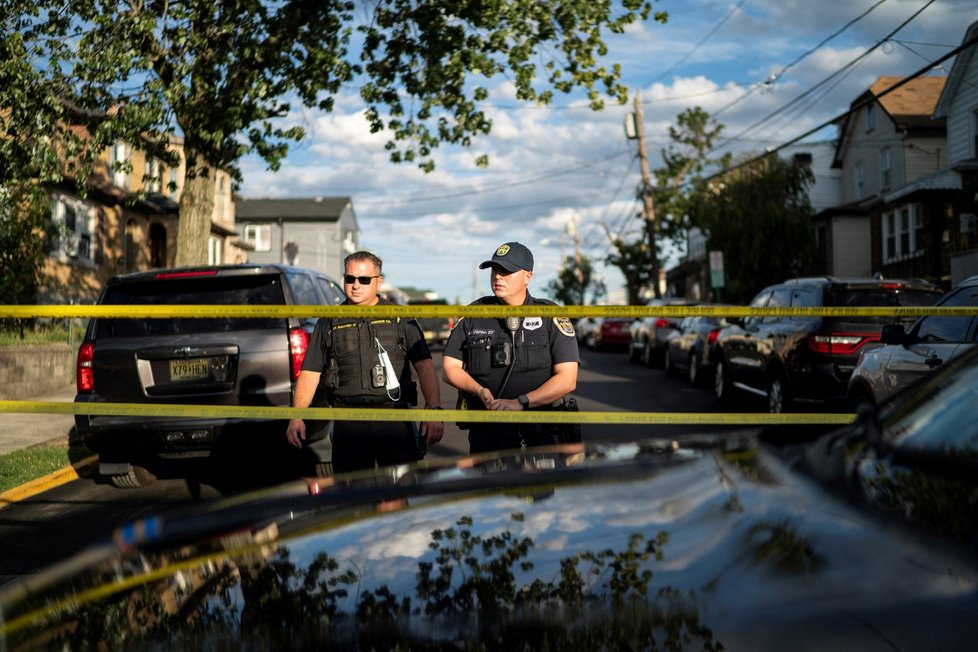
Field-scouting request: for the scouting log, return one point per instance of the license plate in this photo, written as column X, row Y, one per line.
column 190, row 369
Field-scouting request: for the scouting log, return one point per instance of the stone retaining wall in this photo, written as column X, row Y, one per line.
column 27, row 371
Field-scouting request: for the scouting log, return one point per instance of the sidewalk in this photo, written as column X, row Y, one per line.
column 19, row 431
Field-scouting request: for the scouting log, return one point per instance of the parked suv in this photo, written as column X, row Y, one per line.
column 787, row 359
column 204, row 361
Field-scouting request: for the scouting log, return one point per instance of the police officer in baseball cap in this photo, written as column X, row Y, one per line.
column 511, row 363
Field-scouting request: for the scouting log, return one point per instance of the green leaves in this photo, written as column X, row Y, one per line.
column 424, row 55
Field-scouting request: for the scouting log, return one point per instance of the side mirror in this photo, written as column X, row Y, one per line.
column 893, row 334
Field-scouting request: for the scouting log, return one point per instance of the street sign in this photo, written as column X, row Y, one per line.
column 716, row 269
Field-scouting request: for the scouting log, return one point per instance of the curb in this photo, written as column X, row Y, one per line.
column 50, row 481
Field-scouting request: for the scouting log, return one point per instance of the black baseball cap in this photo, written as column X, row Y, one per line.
column 511, row 256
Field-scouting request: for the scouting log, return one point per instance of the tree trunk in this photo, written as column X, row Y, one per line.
column 196, row 209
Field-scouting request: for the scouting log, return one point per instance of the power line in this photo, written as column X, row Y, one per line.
column 856, row 106
column 506, row 186
column 827, row 79
column 776, row 76
column 703, row 40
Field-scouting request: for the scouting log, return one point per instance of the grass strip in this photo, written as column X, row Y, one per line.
column 22, row 466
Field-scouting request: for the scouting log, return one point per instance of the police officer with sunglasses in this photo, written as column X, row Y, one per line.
column 363, row 362
column 511, row 364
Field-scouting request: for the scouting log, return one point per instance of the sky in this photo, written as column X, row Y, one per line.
column 564, row 173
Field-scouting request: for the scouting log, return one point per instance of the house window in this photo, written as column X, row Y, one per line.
column 222, row 188
column 889, row 235
column 885, row 168
column 974, row 132
column 153, row 180
column 870, row 117
column 215, row 250
column 260, row 235
column 172, row 183
column 72, row 231
column 120, row 165
column 858, row 173
column 903, row 233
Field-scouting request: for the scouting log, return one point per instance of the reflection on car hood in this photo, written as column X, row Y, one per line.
column 641, row 546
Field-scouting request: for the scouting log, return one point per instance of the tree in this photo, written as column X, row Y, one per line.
column 23, row 213
column 632, row 258
column 575, row 281
column 759, row 216
column 685, row 162
column 225, row 75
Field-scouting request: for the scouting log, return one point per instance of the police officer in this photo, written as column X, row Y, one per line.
column 347, row 355
column 511, row 364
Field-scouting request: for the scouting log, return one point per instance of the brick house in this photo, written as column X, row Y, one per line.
column 126, row 222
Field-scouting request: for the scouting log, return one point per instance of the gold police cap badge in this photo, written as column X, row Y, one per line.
column 503, row 250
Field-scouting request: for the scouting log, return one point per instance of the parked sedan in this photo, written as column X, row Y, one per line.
column 906, row 356
column 691, row 350
column 649, row 334
column 609, row 332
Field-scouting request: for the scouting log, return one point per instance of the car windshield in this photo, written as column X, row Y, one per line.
column 878, row 297
column 265, row 289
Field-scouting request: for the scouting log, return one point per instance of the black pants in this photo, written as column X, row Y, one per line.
column 485, row 437
column 359, row 445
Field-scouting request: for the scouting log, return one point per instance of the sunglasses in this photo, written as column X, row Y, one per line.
column 364, row 280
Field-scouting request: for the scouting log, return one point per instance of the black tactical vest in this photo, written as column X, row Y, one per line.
column 353, row 354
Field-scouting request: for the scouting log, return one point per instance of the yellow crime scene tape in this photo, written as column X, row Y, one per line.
column 426, row 311
column 367, row 414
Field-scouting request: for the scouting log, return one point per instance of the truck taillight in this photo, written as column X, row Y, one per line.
column 84, row 375
column 298, row 345
column 839, row 343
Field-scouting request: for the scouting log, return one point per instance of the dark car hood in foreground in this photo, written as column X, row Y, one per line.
column 634, row 547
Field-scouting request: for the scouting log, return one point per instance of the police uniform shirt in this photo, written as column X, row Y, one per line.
column 408, row 332
column 541, row 343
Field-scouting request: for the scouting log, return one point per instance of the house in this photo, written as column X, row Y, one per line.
column 833, row 233
column 317, row 233
column 958, row 105
column 892, row 151
column 126, row 221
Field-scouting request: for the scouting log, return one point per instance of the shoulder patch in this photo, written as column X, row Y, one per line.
column 565, row 326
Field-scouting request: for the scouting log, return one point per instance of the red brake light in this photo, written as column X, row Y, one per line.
column 662, row 322
column 201, row 272
column 84, row 374
column 892, row 286
column 840, row 343
column 298, row 345
column 712, row 337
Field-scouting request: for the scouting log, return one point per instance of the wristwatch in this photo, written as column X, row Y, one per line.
column 524, row 401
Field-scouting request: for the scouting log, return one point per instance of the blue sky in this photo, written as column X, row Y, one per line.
column 551, row 167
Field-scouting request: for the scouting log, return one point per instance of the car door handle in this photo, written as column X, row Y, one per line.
column 933, row 361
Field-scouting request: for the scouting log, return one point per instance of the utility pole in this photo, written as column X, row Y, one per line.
column 648, row 210
column 578, row 267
